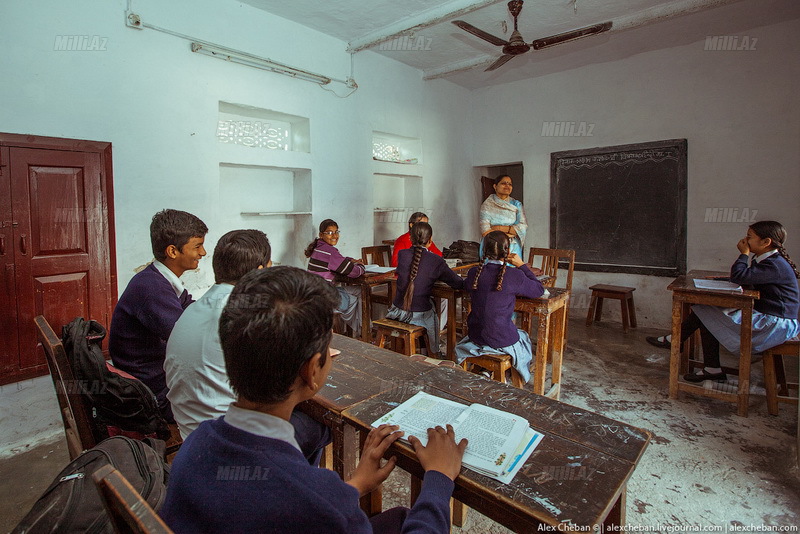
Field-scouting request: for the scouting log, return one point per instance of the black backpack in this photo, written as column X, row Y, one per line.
column 121, row 405
column 72, row 503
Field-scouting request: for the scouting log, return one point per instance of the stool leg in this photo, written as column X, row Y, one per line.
column 631, row 312
column 623, row 304
column 770, row 383
column 598, row 312
column 589, row 315
column 780, row 375
column 380, row 338
column 409, row 344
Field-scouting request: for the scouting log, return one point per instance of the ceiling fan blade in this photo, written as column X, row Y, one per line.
column 467, row 27
column 553, row 40
column 502, row 60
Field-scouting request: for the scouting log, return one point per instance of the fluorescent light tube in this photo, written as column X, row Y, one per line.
column 243, row 58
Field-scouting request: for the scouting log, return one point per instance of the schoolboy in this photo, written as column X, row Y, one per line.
column 195, row 367
column 275, row 332
column 154, row 300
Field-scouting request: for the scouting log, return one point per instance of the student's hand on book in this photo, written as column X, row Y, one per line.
column 743, row 247
column 441, row 453
column 515, row 260
column 369, row 474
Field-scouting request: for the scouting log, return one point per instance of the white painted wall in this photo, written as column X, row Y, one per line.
column 738, row 110
column 157, row 103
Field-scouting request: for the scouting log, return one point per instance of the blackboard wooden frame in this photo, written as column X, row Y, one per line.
column 602, row 202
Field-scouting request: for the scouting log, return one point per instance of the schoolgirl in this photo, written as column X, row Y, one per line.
column 325, row 260
column 770, row 272
column 493, row 288
column 417, row 270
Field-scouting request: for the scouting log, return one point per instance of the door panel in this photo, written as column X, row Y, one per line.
column 55, row 197
column 9, row 345
column 57, row 207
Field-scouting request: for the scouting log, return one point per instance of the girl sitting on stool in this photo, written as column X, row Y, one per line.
column 770, row 272
column 494, row 288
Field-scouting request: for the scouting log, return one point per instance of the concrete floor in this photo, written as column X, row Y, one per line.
column 706, row 467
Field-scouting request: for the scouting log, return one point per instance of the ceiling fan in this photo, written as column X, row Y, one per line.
column 516, row 45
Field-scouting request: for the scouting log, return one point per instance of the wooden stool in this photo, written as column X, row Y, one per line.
column 623, row 294
column 407, row 333
column 498, row 364
column 774, row 374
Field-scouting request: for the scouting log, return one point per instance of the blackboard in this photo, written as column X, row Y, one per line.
column 621, row 208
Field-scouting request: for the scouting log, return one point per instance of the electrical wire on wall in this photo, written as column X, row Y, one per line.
column 133, row 20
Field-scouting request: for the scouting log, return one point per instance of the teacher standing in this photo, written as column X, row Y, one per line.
column 501, row 212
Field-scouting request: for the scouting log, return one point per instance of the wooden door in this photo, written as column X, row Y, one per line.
column 9, row 344
column 61, row 248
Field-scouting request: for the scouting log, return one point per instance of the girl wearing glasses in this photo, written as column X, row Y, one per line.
column 325, row 260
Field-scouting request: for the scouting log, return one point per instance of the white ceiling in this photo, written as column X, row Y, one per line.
column 440, row 49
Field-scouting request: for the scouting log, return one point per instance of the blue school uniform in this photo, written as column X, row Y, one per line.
column 775, row 313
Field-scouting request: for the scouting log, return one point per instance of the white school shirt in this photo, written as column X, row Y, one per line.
column 194, row 363
column 172, row 278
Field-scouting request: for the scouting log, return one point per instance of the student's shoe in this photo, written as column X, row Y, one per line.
column 705, row 375
column 660, row 341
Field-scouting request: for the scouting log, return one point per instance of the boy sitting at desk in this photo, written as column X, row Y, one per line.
column 154, row 299
column 195, row 366
column 275, row 332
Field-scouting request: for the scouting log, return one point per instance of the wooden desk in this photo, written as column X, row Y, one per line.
column 550, row 329
column 577, row 475
column 684, row 293
column 367, row 281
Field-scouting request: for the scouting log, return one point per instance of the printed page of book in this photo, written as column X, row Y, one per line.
column 421, row 412
column 494, row 436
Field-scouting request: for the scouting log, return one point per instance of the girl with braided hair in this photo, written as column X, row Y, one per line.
column 417, row 270
column 775, row 315
column 494, row 287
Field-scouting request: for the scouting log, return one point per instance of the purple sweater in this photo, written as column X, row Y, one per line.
column 490, row 321
column 140, row 327
column 227, row 480
column 326, row 261
column 432, row 268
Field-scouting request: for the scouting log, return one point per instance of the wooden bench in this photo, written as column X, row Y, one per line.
column 621, row 293
column 407, row 333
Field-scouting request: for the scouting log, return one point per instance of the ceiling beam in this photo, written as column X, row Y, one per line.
column 640, row 18
column 458, row 66
column 416, row 22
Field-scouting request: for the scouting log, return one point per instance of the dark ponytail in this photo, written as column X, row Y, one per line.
column 322, row 226
column 421, row 233
column 777, row 233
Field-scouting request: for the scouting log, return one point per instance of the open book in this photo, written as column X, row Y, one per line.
column 721, row 285
column 499, row 442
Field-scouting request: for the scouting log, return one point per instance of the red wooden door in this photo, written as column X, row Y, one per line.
column 60, row 246
column 9, row 343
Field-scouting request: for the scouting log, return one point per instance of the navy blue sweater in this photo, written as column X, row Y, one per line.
column 224, row 479
column 432, row 268
column 140, row 327
column 774, row 279
column 490, row 321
